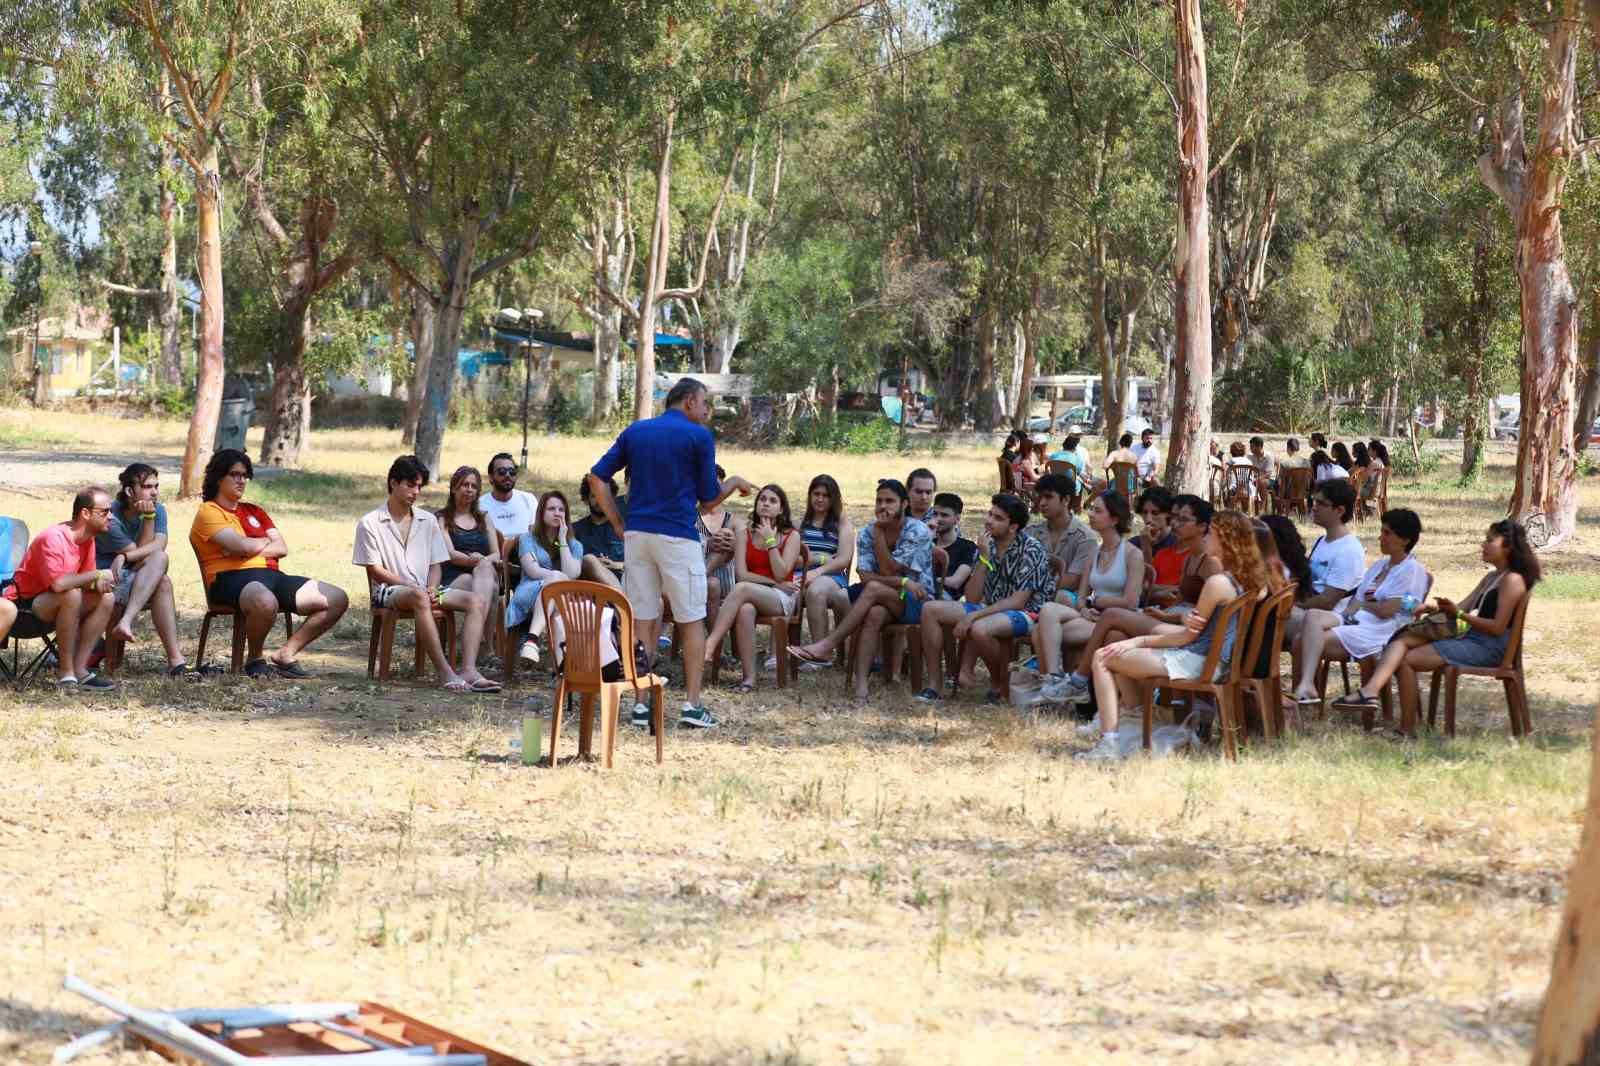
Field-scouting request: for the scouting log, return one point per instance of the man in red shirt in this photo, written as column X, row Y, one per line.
column 58, row 583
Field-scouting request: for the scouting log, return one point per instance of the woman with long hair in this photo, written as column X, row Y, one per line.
column 716, row 540
column 830, row 539
column 1179, row 652
column 474, row 542
column 1291, row 553
column 1483, row 623
column 766, row 550
column 1115, row 578
column 548, row 553
column 1323, row 468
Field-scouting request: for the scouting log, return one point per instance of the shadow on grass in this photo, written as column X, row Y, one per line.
column 40, row 1026
column 324, row 495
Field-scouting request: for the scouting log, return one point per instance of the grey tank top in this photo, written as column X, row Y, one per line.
column 1114, row 578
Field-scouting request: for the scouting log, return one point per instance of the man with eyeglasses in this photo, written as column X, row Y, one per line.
column 509, row 509
column 1337, row 559
column 236, row 557
column 58, row 582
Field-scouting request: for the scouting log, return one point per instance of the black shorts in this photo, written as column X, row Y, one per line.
column 226, row 586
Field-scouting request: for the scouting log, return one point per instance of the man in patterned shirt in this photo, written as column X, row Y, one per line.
column 1017, row 581
column 895, row 582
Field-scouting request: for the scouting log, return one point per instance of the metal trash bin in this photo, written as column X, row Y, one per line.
column 233, row 423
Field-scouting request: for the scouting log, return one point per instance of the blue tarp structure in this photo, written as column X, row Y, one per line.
column 470, row 361
column 891, row 407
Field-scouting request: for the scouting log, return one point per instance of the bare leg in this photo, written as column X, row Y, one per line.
column 692, row 642
column 322, row 605
column 727, row 614
column 1389, row 663
column 938, row 619
column 1117, row 620
column 876, row 617
column 165, row 615
column 1313, row 639
column 96, row 616
column 1422, row 658
column 416, row 601
column 873, row 595
column 819, row 594
column 1115, row 680
column 592, row 569
column 985, row 638
column 146, row 579
column 476, row 608
column 65, row 609
column 714, row 595
column 260, row 610
column 1047, row 635
column 8, row 616
column 744, row 639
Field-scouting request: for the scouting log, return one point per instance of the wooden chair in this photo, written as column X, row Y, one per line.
column 1378, row 502
column 1214, row 485
column 1271, row 623
column 1238, row 613
column 213, row 611
column 1239, row 488
column 1294, row 491
column 1364, row 670
column 580, row 606
column 380, row 645
column 1510, row 673
column 1124, row 481
column 1070, row 472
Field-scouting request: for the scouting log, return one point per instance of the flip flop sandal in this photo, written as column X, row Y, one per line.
column 292, row 670
column 744, row 688
column 807, row 657
column 483, row 684
column 457, row 685
column 1355, row 703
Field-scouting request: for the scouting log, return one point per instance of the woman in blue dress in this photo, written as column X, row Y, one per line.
column 547, row 553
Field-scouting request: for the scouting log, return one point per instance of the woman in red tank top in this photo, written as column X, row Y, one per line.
column 766, row 559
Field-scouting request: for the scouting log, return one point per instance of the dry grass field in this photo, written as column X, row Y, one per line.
column 820, row 881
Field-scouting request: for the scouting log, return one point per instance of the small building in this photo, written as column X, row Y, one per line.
column 69, row 347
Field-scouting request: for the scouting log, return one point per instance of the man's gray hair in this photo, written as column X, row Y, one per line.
column 685, row 388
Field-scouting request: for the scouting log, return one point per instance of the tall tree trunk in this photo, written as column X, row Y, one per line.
column 1479, row 319
column 1030, row 360
column 421, row 329
column 1532, row 188
column 208, row 387
column 607, row 357
column 1100, row 336
column 452, row 309
column 1569, row 1017
column 169, row 363
column 655, row 275
column 983, row 417
column 1187, row 460
column 284, row 438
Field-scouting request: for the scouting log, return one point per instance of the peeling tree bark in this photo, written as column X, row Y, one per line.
column 1569, row 1017
column 1187, row 461
column 208, row 385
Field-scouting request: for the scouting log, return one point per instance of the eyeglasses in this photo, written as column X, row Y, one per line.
column 238, row 475
column 1183, row 519
column 1318, row 502
column 506, row 471
column 98, row 510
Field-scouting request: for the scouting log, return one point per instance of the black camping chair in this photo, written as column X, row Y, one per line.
column 29, row 626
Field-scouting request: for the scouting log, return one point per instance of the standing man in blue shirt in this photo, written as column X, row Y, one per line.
column 672, row 472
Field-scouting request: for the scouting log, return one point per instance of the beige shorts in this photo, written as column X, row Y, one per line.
column 657, row 566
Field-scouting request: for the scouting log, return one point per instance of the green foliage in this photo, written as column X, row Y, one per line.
column 849, row 434
column 1406, row 466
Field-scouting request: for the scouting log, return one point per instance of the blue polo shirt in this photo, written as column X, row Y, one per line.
column 672, row 468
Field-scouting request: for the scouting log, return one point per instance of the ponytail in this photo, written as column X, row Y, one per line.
column 1520, row 555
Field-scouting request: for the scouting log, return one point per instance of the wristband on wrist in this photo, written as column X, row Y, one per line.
column 772, row 542
column 147, row 516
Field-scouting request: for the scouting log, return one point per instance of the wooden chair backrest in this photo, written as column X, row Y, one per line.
column 1240, row 479
column 1125, row 481
column 1277, row 606
column 1008, row 477
column 1380, row 495
column 580, row 606
column 1069, row 471
column 1513, row 656
column 1294, row 484
column 1214, row 487
column 1236, row 611
column 1038, row 447
column 14, row 546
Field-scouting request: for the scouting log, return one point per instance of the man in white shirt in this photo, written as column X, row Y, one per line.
column 509, row 509
column 401, row 548
column 1147, row 458
column 1337, row 559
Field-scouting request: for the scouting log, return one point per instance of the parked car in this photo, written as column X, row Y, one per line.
column 1506, row 428
column 1084, row 419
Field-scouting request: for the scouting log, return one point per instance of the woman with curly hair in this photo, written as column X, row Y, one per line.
column 1179, row 651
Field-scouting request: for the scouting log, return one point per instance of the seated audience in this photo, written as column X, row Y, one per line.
column 1341, row 455
column 922, row 486
column 1115, row 578
column 1122, row 453
column 1017, row 582
column 473, row 541
column 1170, row 603
column 602, row 544
column 1291, row 553
column 1483, row 623
column 715, row 525
column 58, row 583
column 1377, row 460
column 1293, row 460
column 134, row 548
column 894, row 559
column 1067, row 541
column 1011, row 450
column 1147, row 458
column 239, row 549
column 1241, row 483
column 1077, row 456
column 403, row 549
column 1155, row 511
column 830, row 540
column 1266, row 468
column 1325, row 469
column 1179, row 651
column 547, row 553
column 508, row 508
column 1319, row 442
column 1337, row 559
column 1382, row 602
column 766, row 553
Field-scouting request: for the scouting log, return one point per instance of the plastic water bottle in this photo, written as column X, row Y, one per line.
column 1408, row 603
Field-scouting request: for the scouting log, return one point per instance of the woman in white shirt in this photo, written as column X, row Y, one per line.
column 1364, row 621
column 1325, row 469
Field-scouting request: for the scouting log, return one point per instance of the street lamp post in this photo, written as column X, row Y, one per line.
column 528, row 316
column 36, row 249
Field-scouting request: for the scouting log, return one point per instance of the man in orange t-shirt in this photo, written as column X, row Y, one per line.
column 237, row 553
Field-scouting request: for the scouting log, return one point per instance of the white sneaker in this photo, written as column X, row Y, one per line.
column 1106, row 751
column 1090, row 729
column 529, row 652
column 771, row 662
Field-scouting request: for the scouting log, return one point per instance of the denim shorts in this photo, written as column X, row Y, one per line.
column 1021, row 622
column 911, row 607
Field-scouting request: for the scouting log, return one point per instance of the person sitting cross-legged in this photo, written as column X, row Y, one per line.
column 1179, row 651
column 765, row 553
column 58, row 582
column 1115, row 578
column 403, row 549
column 239, row 548
column 547, row 553
column 894, row 558
column 134, row 548
column 1360, row 625
column 1483, row 620
column 1017, row 582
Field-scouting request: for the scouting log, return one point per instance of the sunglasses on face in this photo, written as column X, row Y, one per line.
column 504, row 471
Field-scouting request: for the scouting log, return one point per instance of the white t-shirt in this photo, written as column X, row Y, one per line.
column 1337, row 564
column 1147, row 457
column 512, row 517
